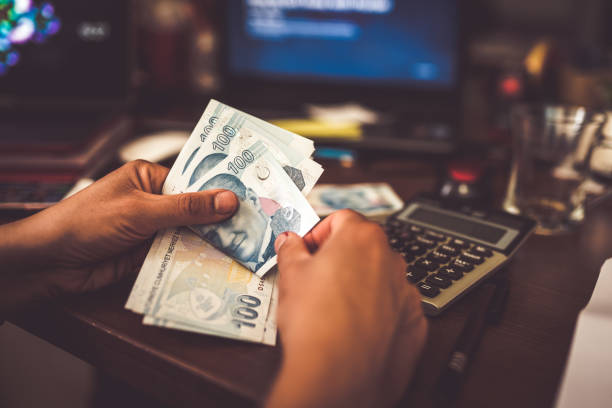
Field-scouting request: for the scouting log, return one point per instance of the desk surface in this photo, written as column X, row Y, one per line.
column 519, row 363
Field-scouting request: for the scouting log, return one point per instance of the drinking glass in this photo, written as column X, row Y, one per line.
column 551, row 148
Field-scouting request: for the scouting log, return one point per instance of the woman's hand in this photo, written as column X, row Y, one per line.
column 98, row 235
column 352, row 328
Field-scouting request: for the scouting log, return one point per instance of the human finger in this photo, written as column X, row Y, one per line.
column 290, row 248
column 319, row 234
column 203, row 207
column 148, row 177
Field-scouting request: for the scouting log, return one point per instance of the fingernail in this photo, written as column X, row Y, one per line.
column 225, row 202
column 280, row 240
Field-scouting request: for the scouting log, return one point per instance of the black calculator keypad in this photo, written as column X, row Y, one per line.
column 426, row 264
column 435, row 236
column 462, row 265
column 448, row 250
column 471, row 258
column 438, row 257
column 416, row 229
column 408, row 256
column 416, row 249
column 458, row 243
column 415, row 274
column 395, row 242
column 482, row 251
column 435, row 260
column 428, row 290
column 451, row 273
column 426, row 242
column 439, row 281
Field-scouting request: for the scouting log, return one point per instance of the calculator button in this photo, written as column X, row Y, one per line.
column 458, row 243
column 448, row 250
column 428, row 290
column 415, row 229
column 414, row 274
column 436, row 236
column 395, row 223
column 450, row 273
column 408, row 257
column 389, row 230
column 438, row 257
column 461, row 265
column 427, row 243
column 439, row 281
column 405, row 235
column 470, row 257
column 395, row 242
column 416, row 249
column 426, row 264
column 482, row 251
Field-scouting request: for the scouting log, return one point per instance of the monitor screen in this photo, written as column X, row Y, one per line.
column 410, row 43
column 60, row 49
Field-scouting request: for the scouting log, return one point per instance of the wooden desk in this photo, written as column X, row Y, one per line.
column 519, row 363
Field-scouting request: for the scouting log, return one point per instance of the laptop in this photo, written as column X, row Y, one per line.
column 65, row 69
column 400, row 59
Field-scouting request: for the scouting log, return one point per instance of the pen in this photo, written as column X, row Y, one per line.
column 487, row 310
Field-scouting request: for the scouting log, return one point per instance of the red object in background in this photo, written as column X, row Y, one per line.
column 465, row 172
column 511, row 86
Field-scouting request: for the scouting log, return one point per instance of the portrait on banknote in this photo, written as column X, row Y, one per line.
column 250, row 234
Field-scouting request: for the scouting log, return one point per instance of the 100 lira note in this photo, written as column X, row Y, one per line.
column 190, row 285
column 270, row 204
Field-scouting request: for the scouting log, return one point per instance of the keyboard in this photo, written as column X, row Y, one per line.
column 449, row 250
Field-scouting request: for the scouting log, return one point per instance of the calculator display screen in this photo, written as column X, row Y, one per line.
column 464, row 226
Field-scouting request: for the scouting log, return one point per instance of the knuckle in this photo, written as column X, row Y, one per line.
column 138, row 164
column 370, row 233
column 347, row 215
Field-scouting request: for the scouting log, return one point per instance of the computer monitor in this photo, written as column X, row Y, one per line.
column 380, row 51
column 56, row 52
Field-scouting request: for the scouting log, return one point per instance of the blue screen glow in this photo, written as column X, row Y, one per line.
column 378, row 41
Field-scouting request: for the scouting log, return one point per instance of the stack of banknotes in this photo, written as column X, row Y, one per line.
column 219, row 279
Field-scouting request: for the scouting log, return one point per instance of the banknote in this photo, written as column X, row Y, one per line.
column 232, row 133
column 186, row 283
column 269, row 328
column 215, row 135
column 190, row 285
column 374, row 200
column 270, row 203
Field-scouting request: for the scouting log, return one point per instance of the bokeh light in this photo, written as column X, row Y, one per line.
column 21, row 22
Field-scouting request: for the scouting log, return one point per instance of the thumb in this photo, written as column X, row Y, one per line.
column 202, row 207
column 290, row 249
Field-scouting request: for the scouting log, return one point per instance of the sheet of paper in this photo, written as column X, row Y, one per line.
column 587, row 381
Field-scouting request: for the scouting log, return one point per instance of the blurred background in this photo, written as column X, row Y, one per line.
column 83, row 83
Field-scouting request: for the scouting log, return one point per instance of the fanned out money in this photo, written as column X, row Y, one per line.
column 210, row 278
column 376, row 201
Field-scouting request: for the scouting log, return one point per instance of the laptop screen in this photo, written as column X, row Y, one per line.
column 63, row 49
column 377, row 42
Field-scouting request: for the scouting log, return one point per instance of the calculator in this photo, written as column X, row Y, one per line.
column 450, row 249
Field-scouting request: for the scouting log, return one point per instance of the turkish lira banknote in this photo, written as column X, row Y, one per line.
column 270, row 204
column 374, row 200
column 195, row 287
column 186, row 283
column 222, row 130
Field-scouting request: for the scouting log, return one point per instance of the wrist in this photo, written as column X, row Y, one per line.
column 325, row 372
column 26, row 253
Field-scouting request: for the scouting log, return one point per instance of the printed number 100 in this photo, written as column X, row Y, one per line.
column 246, row 311
column 241, row 161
